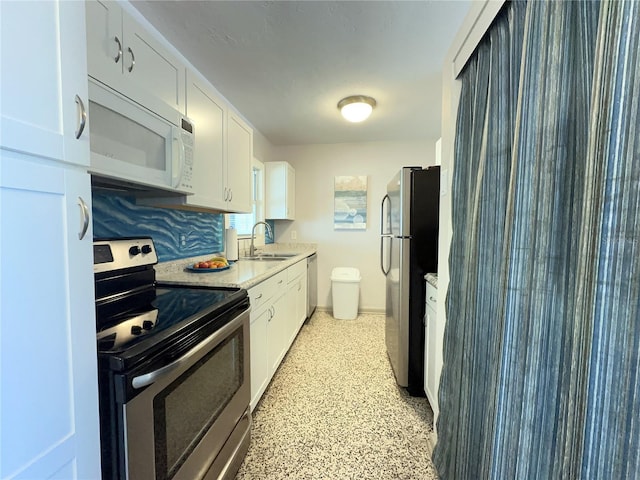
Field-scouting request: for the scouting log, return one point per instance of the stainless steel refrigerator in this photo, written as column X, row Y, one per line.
column 408, row 251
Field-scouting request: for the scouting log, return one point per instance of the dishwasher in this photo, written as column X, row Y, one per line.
column 312, row 284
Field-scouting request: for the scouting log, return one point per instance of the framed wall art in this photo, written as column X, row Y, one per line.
column 350, row 203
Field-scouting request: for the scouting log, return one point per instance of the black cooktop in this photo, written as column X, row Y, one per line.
column 169, row 317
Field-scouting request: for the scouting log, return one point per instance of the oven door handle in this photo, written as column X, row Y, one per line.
column 212, row 340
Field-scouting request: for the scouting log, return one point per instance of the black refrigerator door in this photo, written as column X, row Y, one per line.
column 425, row 207
column 423, row 259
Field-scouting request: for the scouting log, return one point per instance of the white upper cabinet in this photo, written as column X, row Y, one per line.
column 123, row 55
column 44, row 100
column 281, row 191
column 207, row 111
column 238, row 173
column 223, row 152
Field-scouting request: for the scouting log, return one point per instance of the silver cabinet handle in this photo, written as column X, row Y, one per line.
column 259, row 297
column 83, row 116
column 133, row 59
column 230, row 194
column 209, row 342
column 84, row 215
column 119, row 55
column 432, row 299
column 226, row 194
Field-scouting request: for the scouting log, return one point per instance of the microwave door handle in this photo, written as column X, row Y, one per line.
column 215, row 338
column 178, row 156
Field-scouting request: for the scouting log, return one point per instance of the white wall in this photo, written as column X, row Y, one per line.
column 316, row 166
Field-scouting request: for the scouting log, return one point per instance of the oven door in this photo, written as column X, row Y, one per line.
column 177, row 425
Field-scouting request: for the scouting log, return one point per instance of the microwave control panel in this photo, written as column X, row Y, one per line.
column 186, row 180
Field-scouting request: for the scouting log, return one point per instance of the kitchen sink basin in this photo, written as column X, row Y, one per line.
column 273, row 257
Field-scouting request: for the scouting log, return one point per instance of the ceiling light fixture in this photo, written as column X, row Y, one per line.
column 356, row 108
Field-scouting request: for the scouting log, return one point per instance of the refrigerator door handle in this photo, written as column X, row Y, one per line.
column 382, row 219
column 383, row 234
column 382, row 237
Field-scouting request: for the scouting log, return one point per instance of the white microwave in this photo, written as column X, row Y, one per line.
column 134, row 145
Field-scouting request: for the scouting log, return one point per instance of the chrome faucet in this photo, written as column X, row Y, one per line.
column 252, row 249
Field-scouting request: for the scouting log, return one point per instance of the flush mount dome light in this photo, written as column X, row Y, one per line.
column 356, row 108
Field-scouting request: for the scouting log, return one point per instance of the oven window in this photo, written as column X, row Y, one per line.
column 185, row 410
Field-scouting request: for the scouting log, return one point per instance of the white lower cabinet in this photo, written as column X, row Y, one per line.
column 434, row 336
column 278, row 310
column 259, row 352
column 277, row 333
column 297, row 292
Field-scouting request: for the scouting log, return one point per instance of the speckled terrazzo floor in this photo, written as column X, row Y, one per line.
column 333, row 411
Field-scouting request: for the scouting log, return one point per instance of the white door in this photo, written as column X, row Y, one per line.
column 259, row 354
column 44, row 79
column 49, row 383
column 239, row 155
column 105, row 42
column 151, row 67
column 207, row 113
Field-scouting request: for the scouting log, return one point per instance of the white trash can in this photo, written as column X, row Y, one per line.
column 345, row 292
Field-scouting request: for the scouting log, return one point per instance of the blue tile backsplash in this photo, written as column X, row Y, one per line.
column 176, row 233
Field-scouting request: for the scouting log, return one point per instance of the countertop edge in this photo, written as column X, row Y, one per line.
column 242, row 274
column 432, row 279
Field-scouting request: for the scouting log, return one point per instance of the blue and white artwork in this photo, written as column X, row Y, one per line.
column 350, row 203
column 176, row 233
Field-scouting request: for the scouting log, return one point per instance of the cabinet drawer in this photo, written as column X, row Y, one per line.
column 266, row 290
column 431, row 296
column 294, row 271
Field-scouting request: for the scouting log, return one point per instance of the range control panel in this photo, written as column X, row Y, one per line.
column 116, row 254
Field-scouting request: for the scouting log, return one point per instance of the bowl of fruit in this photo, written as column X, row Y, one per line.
column 216, row 264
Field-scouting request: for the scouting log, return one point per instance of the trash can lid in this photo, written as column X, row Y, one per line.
column 345, row 274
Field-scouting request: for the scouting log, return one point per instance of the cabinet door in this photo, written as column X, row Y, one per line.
column 277, row 337
column 239, row 154
column 207, row 112
column 301, row 301
column 433, row 358
column 290, row 204
column 259, row 354
column 41, row 114
column 105, row 43
column 280, row 191
column 291, row 314
column 151, row 67
column 49, row 387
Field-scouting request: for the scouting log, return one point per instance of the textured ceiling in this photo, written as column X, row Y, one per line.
column 285, row 65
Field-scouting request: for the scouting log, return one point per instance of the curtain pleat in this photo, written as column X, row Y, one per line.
column 540, row 248
column 489, row 91
column 541, row 374
column 611, row 258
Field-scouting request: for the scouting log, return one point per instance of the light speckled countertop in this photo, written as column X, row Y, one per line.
column 432, row 279
column 243, row 273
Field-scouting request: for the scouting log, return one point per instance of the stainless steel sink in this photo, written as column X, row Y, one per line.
column 270, row 257
column 258, row 258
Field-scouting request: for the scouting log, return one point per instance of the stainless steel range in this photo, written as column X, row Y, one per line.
column 173, row 370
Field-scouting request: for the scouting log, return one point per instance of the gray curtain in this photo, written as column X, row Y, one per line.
column 541, row 374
